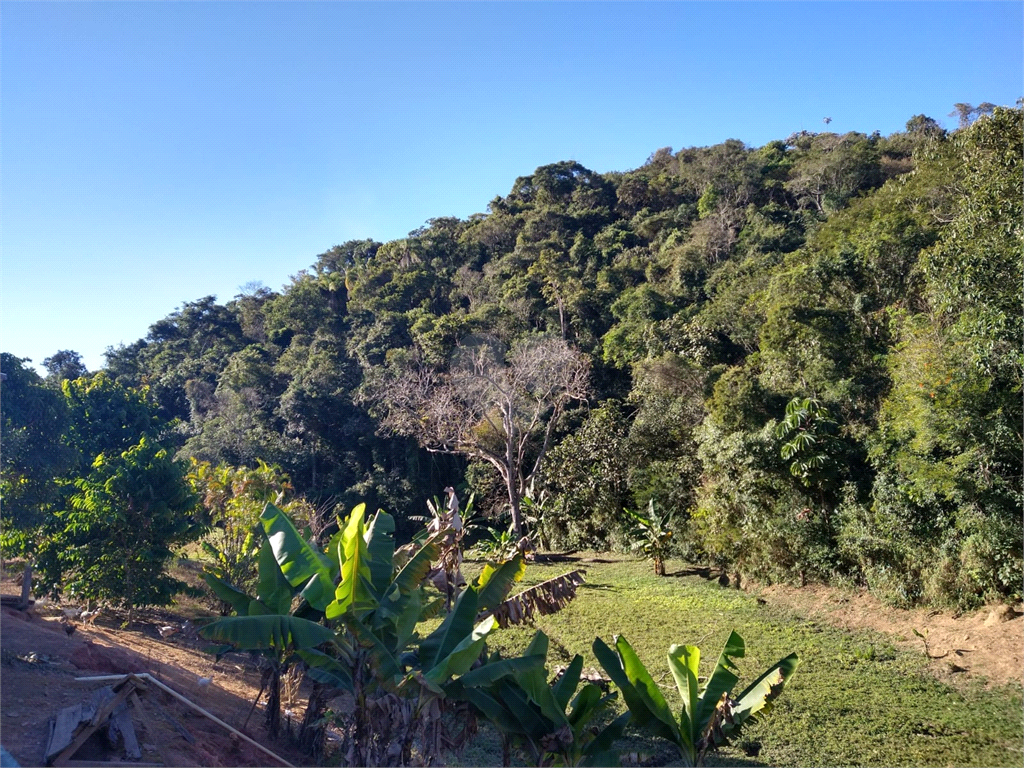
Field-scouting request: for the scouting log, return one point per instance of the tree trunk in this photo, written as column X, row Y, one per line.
column 512, row 474
column 273, row 716
column 513, row 503
column 312, row 732
column 26, row 585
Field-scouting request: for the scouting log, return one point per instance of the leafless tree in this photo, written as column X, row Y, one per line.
column 488, row 405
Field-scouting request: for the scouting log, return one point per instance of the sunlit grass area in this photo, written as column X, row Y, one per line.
column 856, row 699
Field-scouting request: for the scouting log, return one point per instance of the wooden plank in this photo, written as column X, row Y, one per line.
column 121, row 722
column 97, row 720
column 150, row 679
column 100, row 697
column 63, row 728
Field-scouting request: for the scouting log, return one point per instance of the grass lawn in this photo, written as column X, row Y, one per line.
column 855, row 700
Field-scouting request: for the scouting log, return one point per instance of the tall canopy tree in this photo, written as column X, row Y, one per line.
column 495, row 407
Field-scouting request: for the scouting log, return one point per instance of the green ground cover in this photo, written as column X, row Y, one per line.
column 855, row 701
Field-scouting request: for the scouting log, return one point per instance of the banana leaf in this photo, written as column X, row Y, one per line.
column 380, row 546
column 456, row 626
column 274, row 591
column 530, row 721
column 492, row 671
column 495, row 583
column 758, row 697
column 274, row 631
column 722, row 679
column 386, row 667
column 683, row 662
column 326, row 669
column 462, row 656
column 233, row 597
column 599, row 752
column 639, row 691
column 355, row 591
column 415, row 571
column 535, row 683
column 566, row 685
column 545, row 598
column 298, row 560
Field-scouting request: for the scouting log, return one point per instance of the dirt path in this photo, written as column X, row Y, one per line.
column 987, row 644
column 37, row 680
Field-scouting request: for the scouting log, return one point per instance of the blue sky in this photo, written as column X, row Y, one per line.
column 155, row 153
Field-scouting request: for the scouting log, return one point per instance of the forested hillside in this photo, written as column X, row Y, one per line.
column 808, row 352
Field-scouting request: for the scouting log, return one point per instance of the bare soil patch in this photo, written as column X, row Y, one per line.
column 40, row 664
column 987, row 644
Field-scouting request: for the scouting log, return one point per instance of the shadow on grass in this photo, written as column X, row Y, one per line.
column 599, row 587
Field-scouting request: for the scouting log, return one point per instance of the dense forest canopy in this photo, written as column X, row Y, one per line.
column 809, row 352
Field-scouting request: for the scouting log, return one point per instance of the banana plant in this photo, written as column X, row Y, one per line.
column 397, row 678
column 548, row 724
column 265, row 624
column 651, row 535
column 710, row 714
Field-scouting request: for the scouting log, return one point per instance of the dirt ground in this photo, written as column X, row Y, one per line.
column 40, row 664
column 987, row 644
column 37, row 680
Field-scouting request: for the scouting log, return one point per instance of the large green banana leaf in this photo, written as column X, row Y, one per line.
column 646, row 704
column 274, row 591
column 495, row 583
column 758, row 697
column 461, row 657
column 326, row 669
column 535, row 683
column 684, row 662
column 274, row 631
column 456, row 626
column 722, row 680
column 355, row 591
column 415, row 571
column 233, row 597
column 380, row 546
column 491, row 672
column 298, row 559
column 566, row 685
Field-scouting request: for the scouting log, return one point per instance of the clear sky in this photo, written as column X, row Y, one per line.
column 152, row 153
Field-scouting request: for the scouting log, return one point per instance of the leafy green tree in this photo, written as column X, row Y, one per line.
column 66, row 364
column 948, row 447
column 119, row 532
column 585, row 483
column 34, row 422
column 108, row 417
column 828, row 169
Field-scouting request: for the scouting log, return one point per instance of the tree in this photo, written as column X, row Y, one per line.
column 33, row 423
column 118, row 533
column 490, row 406
column 66, row 364
column 967, row 114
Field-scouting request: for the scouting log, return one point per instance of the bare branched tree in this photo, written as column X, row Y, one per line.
column 488, row 405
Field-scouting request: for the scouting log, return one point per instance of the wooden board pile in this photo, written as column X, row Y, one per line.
column 107, row 713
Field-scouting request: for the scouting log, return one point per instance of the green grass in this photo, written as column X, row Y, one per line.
column 855, row 700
